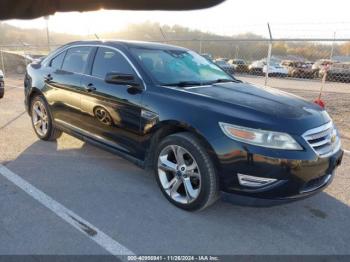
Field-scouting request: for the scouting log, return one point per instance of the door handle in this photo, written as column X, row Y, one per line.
column 90, row 87
column 48, row 77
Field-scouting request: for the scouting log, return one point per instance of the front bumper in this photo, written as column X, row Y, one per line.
column 254, row 201
column 298, row 175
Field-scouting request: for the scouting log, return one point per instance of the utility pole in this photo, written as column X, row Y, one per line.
column 332, row 49
column 47, row 32
column 268, row 55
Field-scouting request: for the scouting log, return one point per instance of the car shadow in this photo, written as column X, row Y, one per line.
column 124, row 201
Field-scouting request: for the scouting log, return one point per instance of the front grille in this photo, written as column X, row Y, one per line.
column 324, row 140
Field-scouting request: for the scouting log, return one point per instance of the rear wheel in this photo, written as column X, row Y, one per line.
column 42, row 121
column 2, row 92
column 185, row 173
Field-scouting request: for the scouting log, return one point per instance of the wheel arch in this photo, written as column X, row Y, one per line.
column 34, row 91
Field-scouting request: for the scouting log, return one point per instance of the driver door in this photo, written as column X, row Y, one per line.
column 111, row 113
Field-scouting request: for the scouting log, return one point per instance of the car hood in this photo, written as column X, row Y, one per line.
column 264, row 103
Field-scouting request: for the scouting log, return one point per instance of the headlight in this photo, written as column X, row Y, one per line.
column 259, row 137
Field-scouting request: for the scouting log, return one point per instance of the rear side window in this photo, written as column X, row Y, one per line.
column 56, row 63
column 76, row 59
column 108, row 60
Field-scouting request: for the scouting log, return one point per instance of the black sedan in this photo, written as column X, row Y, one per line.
column 203, row 132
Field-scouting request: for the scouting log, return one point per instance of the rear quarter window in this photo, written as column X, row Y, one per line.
column 76, row 59
column 56, row 63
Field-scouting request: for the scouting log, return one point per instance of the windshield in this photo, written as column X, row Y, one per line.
column 179, row 66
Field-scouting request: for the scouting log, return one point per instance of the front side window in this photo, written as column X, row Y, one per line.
column 56, row 63
column 76, row 59
column 175, row 66
column 108, row 60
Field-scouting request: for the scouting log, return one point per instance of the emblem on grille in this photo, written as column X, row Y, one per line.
column 333, row 138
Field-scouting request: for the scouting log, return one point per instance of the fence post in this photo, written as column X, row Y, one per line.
column 268, row 59
column 332, row 48
column 47, row 32
column 2, row 61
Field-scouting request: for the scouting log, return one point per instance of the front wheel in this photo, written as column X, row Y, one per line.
column 185, row 173
column 42, row 121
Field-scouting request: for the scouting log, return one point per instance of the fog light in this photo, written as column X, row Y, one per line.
column 254, row 181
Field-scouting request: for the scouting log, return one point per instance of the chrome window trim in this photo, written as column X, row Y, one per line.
column 47, row 62
column 318, row 129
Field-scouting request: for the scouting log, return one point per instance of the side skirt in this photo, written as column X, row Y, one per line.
column 99, row 143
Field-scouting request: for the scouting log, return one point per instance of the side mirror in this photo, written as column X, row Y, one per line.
column 122, row 79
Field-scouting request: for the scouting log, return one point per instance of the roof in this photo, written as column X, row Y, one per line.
column 129, row 43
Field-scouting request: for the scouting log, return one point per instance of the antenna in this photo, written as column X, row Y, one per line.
column 97, row 37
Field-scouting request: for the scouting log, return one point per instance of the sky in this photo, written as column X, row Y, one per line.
column 288, row 19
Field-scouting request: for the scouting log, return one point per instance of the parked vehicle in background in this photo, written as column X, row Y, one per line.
column 298, row 69
column 224, row 59
column 320, row 65
column 256, row 67
column 239, row 65
column 339, row 72
column 224, row 66
column 276, row 70
column 2, row 84
column 207, row 56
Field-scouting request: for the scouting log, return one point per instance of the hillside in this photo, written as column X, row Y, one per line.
column 221, row 46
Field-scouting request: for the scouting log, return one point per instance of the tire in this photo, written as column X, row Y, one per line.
column 2, row 92
column 44, row 130
column 204, row 185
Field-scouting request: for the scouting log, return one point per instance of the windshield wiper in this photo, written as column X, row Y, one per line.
column 225, row 80
column 197, row 83
column 184, row 83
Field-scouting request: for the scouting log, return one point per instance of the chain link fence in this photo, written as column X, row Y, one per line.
column 299, row 59
column 15, row 58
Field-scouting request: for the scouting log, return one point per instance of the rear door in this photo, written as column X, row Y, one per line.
column 111, row 112
column 64, row 84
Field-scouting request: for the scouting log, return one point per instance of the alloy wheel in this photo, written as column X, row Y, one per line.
column 40, row 118
column 179, row 174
